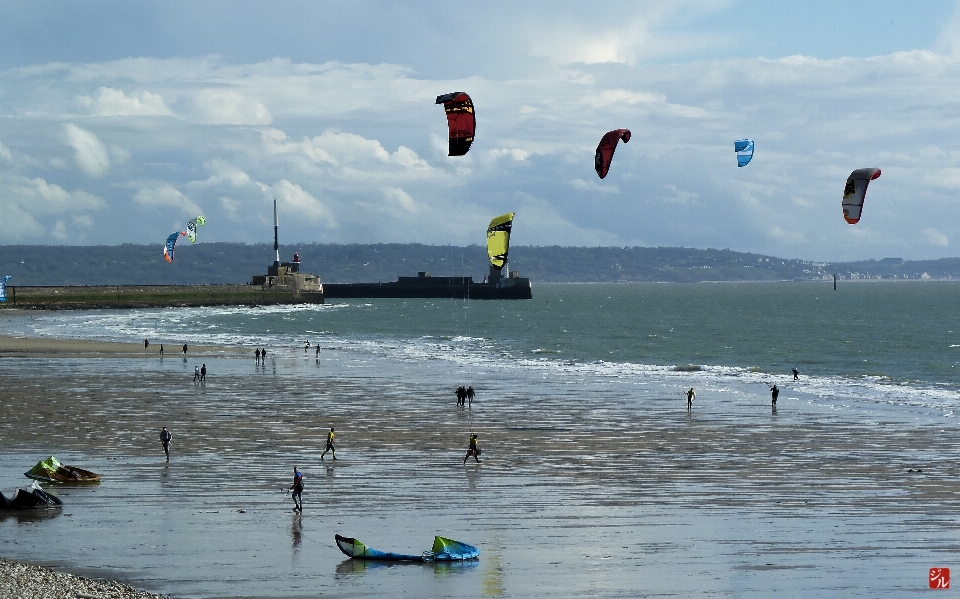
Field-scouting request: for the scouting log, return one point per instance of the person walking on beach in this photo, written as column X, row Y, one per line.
column 690, row 397
column 146, row 343
column 470, row 394
column 796, row 374
column 774, row 393
column 203, row 373
column 196, row 374
column 306, row 346
column 263, row 356
column 161, row 350
column 318, row 351
column 184, row 350
column 472, row 449
column 297, row 488
column 330, row 446
column 257, row 354
column 165, row 437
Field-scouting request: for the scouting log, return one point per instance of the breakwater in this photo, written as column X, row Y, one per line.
column 81, row 297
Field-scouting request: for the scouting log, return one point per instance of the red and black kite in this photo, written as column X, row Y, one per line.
column 607, row 147
column 461, row 121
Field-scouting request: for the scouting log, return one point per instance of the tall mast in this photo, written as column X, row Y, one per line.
column 276, row 239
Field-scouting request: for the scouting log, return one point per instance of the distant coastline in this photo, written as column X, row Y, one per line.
column 236, row 263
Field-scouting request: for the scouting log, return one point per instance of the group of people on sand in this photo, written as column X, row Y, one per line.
column 261, row 355
column 200, row 374
column 306, row 347
column 774, row 392
column 465, row 395
column 146, row 344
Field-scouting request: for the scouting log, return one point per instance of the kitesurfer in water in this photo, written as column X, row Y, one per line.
column 796, row 374
column 472, row 449
column 330, row 446
column 297, row 488
column 690, row 397
column 774, row 393
column 165, row 437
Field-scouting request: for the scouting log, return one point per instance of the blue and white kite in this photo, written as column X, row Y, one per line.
column 744, row 149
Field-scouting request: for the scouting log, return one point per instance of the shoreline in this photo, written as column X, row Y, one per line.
column 20, row 579
column 57, row 347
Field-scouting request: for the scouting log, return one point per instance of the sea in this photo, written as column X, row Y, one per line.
column 596, row 479
column 891, row 343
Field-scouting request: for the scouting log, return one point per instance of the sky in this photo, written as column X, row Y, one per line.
column 121, row 121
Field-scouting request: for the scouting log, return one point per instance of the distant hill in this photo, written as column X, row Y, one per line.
column 214, row 263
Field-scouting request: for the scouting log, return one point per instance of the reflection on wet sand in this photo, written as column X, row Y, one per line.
column 585, row 485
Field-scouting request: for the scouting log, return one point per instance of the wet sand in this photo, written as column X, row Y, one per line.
column 588, row 486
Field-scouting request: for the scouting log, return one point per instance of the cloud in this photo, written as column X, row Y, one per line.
column 593, row 187
column 90, row 154
column 114, row 102
column 300, row 204
column 936, row 238
column 161, row 195
column 359, row 150
column 227, row 107
column 27, row 203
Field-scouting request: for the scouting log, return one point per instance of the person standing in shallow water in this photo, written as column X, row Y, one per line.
column 472, row 449
column 297, row 488
column 470, row 394
column 330, row 446
column 796, row 374
column 165, row 437
column 196, row 374
column 774, row 393
column 690, row 397
column 257, row 354
column 203, row 373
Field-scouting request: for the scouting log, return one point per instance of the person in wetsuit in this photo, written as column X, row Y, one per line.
column 796, row 374
column 690, row 397
column 774, row 393
column 165, row 437
column 297, row 488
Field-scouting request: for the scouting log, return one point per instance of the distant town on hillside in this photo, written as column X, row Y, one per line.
column 217, row 263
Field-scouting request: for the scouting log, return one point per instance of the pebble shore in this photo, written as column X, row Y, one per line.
column 21, row 581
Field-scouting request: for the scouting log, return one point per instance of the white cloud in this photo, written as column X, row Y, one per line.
column 164, row 195
column 300, row 204
column 25, row 204
column 936, row 238
column 114, row 102
column 90, row 153
column 227, row 107
column 594, row 187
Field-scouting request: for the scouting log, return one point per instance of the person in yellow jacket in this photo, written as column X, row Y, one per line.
column 330, row 446
column 473, row 449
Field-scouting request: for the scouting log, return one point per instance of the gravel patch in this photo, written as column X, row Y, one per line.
column 21, row 581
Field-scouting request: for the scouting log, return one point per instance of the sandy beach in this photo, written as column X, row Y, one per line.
column 594, row 486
